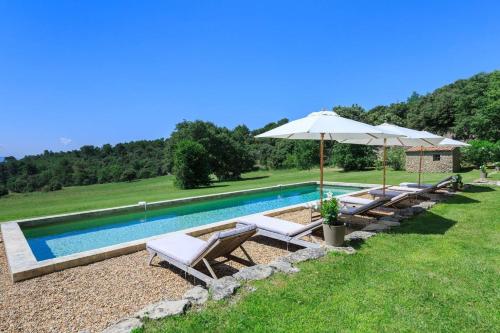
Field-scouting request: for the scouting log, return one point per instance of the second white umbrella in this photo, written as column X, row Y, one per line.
column 407, row 138
column 327, row 125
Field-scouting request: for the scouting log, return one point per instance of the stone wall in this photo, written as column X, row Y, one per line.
column 449, row 161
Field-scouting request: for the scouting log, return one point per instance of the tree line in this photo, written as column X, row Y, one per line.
column 466, row 110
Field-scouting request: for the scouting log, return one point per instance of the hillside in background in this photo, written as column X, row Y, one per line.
column 466, row 109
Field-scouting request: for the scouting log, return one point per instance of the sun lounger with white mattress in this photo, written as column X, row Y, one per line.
column 186, row 252
column 289, row 232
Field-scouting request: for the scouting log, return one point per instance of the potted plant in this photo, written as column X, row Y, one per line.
column 456, row 182
column 333, row 229
column 482, row 170
column 497, row 166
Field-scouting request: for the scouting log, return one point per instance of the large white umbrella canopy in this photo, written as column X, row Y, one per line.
column 329, row 125
column 326, row 125
column 407, row 138
column 451, row 142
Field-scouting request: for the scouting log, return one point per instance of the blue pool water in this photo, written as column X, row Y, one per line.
column 65, row 238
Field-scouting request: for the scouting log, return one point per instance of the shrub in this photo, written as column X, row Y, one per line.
column 353, row 157
column 191, row 165
column 306, row 154
column 53, row 185
column 128, row 175
column 3, row 191
column 145, row 173
column 480, row 152
column 396, row 158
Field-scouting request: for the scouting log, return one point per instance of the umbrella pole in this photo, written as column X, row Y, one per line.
column 321, row 170
column 385, row 162
column 420, row 165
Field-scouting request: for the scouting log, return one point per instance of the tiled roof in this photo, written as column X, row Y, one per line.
column 437, row 148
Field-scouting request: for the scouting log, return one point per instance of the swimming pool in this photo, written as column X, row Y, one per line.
column 70, row 237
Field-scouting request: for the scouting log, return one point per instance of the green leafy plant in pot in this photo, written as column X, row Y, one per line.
column 333, row 229
column 483, row 172
column 456, row 182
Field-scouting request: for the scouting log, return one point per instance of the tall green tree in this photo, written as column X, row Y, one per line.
column 353, row 157
column 191, row 165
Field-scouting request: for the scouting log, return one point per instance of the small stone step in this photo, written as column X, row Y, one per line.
column 197, row 295
column 124, row 326
column 164, row 309
column 304, row 255
column 377, row 227
column 283, row 266
column 223, row 287
column 257, row 272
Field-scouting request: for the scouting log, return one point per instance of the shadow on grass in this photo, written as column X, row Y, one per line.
column 478, row 189
column 466, row 169
column 249, row 178
column 213, row 186
column 426, row 224
column 356, row 171
column 460, row 199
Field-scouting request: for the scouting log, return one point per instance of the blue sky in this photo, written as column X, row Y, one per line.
column 94, row 72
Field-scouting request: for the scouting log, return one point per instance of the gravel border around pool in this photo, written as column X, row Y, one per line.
column 94, row 296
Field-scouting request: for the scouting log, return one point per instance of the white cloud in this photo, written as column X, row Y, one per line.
column 65, row 141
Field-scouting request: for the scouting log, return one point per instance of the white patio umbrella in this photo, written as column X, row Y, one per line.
column 451, row 142
column 407, row 138
column 326, row 125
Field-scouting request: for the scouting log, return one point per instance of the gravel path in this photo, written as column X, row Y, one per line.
column 92, row 297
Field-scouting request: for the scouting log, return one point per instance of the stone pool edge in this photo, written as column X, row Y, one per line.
column 23, row 264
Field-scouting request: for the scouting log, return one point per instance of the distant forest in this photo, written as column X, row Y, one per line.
column 466, row 109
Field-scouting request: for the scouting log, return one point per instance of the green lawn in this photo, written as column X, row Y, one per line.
column 439, row 272
column 79, row 198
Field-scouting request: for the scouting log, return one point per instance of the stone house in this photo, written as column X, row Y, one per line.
column 434, row 159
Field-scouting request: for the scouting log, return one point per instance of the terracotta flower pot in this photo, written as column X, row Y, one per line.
column 334, row 234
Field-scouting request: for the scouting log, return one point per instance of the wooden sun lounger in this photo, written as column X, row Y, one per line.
column 446, row 180
column 368, row 207
column 401, row 194
column 185, row 252
column 286, row 231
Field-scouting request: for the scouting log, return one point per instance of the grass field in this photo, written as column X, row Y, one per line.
column 439, row 272
column 79, row 198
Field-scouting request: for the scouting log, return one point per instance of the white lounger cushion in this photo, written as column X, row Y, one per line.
column 415, row 185
column 355, row 200
column 388, row 193
column 180, row 247
column 275, row 225
column 404, row 189
column 438, row 184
